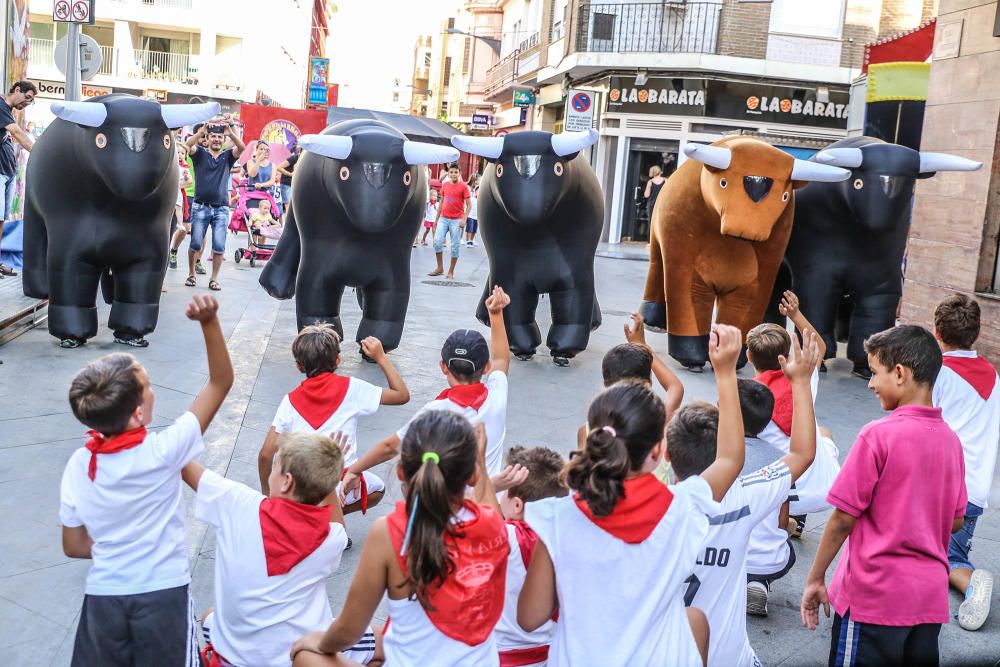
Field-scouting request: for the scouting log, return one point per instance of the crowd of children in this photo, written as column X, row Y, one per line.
column 649, row 546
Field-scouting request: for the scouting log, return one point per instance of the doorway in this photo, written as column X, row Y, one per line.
column 643, row 156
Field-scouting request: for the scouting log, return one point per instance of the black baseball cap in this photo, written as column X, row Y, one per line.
column 465, row 352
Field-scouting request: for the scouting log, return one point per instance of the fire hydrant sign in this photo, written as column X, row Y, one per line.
column 60, row 11
column 579, row 110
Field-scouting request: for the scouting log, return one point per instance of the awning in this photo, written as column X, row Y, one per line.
column 415, row 128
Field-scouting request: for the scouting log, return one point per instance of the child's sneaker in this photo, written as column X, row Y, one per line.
column 199, row 269
column 757, row 598
column 975, row 608
column 173, row 259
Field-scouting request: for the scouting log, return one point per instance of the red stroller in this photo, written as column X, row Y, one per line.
column 249, row 199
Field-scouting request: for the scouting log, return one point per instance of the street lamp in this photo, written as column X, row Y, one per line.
column 489, row 41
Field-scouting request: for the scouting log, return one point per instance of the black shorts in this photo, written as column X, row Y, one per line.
column 471, row 226
column 771, row 578
column 156, row 629
column 869, row 645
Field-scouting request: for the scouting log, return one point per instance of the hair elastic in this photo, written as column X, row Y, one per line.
column 613, row 432
column 431, row 456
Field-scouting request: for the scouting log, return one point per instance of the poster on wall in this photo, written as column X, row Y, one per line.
column 319, row 75
column 16, row 67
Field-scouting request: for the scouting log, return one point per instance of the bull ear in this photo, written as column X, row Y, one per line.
column 568, row 143
column 849, row 158
column 91, row 114
column 419, row 152
column 932, row 162
column 710, row 156
column 328, row 145
column 487, row 147
column 804, row 170
column 179, row 115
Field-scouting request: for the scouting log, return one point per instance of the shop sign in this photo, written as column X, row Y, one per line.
column 523, row 98
column 480, row 121
column 56, row 90
column 660, row 95
column 778, row 104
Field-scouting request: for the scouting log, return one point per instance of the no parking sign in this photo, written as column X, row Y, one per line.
column 579, row 110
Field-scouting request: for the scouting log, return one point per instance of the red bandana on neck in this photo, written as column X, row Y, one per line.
column 317, row 398
column 469, row 603
column 99, row 445
column 781, row 387
column 976, row 371
column 637, row 513
column 466, row 395
column 291, row 532
column 527, row 539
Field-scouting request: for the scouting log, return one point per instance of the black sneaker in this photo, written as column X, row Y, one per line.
column 173, row 259
column 862, row 372
column 694, row 367
column 350, row 543
column 132, row 341
column 71, row 343
column 562, row 362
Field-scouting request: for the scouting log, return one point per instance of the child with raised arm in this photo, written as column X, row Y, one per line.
column 890, row 588
column 477, row 389
column 614, row 557
column 121, row 506
column 440, row 558
column 274, row 554
column 968, row 392
column 327, row 402
column 717, row 584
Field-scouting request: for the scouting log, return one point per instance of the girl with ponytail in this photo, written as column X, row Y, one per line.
column 440, row 558
column 615, row 556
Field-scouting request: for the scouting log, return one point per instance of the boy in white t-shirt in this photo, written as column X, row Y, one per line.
column 477, row 389
column 327, row 403
column 717, row 584
column 967, row 390
column 121, row 506
column 274, row 554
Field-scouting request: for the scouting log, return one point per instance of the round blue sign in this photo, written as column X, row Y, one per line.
column 581, row 102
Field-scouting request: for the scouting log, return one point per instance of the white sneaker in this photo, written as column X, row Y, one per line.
column 975, row 608
column 757, row 598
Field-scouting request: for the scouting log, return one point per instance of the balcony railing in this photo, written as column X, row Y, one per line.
column 169, row 4
column 501, row 76
column 529, row 43
column 41, row 52
column 161, row 66
column 648, row 27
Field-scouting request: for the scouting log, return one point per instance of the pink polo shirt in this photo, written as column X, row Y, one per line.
column 904, row 482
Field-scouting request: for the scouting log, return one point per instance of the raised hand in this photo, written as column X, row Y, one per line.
column 801, row 361
column 724, row 345
column 789, row 306
column 497, row 301
column 202, row 309
column 635, row 329
column 509, row 477
column 372, row 348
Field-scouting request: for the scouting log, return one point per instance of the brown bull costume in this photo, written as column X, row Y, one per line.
column 720, row 227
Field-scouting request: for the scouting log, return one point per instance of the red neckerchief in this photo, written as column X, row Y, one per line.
column 119, row 443
column 519, row 657
column 527, row 539
column 466, row 395
column 637, row 513
column 781, row 387
column 468, row 605
column 291, row 532
column 317, row 398
column 976, row 371
column 363, row 488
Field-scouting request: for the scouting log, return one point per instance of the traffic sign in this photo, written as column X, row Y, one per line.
column 579, row 110
column 81, row 11
column 90, row 56
column 60, row 11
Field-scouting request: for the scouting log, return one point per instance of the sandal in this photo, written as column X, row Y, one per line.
column 191, row 281
column 436, row 272
column 214, row 286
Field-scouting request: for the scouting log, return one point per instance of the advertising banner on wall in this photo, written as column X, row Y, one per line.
column 319, row 75
column 659, row 95
column 280, row 128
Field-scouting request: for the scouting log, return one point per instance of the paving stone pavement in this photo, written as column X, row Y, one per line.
column 41, row 590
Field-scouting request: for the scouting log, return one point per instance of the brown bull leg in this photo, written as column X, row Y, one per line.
column 690, row 317
column 654, row 302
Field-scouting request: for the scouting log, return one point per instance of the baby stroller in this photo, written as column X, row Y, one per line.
column 248, row 200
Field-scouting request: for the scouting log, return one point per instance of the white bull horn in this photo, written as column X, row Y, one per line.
column 849, row 158
column 419, row 152
column 329, row 145
column 487, row 147
column 713, row 156
column 567, row 143
column 804, row 170
column 931, row 162
column 91, row 114
column 179, row 115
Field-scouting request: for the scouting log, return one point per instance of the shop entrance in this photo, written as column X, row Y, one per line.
column 643, row 155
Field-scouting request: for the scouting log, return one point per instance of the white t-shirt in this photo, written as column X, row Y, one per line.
column 132, row 511
column 718, row 586
column 474, row 204
column 975, row 421
column 430, row 215
column 619, row 603
column 362, row 398
column 508, row 633
column 258, row 617
column 492, row 414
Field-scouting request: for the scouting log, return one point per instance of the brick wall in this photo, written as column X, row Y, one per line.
column 956, row 216
column 743, row 29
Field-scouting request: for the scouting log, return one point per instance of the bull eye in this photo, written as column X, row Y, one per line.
column 100, row 140
column 166, row 141
column 499, row 170
column 723, row 183
column 407, row 177
column 785, row 196
column 345, row 173
column 858, row 184
column 558, row 168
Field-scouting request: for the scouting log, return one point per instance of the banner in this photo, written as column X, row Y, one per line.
column 319, row 75
column 281, row 128
column 16, row 63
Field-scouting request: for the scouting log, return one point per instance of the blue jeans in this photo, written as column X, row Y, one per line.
column 961, row 542
column 9, row 185
column 445, row 227
column 203, row 217
column 286, row 197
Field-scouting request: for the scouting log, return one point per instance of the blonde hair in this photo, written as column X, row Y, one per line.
column 655, row 171
column 314, row 461
column 766, row 342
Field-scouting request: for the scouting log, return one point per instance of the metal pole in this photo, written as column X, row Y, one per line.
column 74, row 92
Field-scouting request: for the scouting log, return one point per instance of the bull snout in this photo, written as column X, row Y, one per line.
column 136, row 138
column 892, row 186
column 377, row 173
column 527, row 165
column 757, row 187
